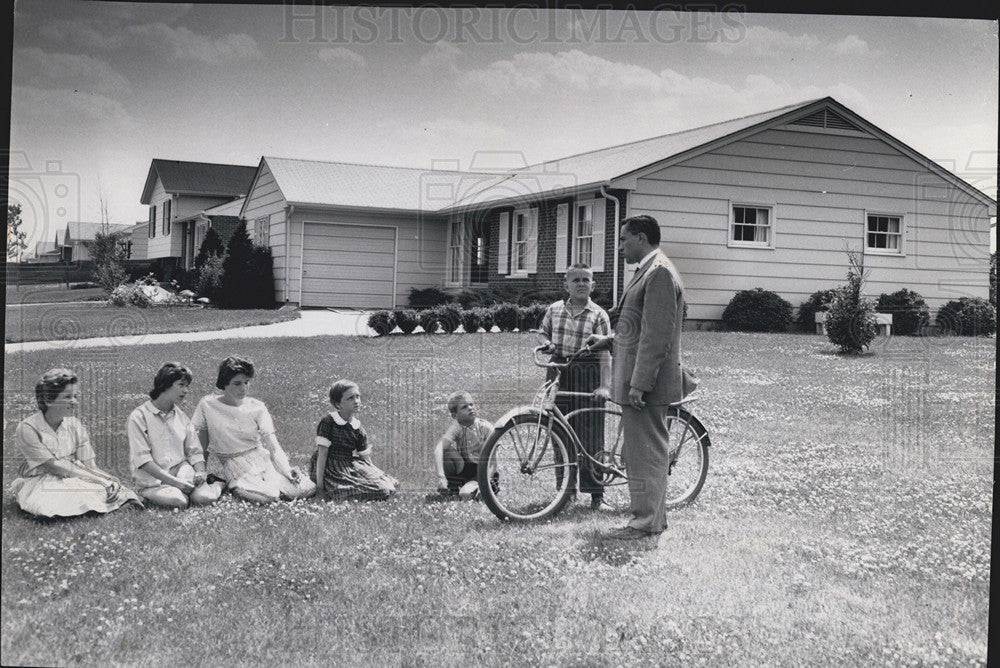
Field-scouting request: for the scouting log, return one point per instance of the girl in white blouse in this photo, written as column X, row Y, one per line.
column 60, row 477
column 238, row 433
column 168, row 463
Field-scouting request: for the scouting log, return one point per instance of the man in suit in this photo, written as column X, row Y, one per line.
column 646, row 372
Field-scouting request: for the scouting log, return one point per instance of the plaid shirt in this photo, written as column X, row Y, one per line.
column 569, row 332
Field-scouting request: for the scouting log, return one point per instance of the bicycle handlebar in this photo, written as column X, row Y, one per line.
column 559, row 365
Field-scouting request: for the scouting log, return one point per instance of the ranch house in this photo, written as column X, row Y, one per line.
column 771, row 200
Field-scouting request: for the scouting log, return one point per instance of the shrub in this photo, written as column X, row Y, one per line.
column 757, row 310
column 428, row 319
column 968, row 316
column 506, row 316
column 382, row 322
column 531, row 316
column 818, row 301
column 406, row 319
column 851, row 325
column 909, row 311
column 262, row 277
column 472, row 320
column 485, row 317
column 544, row 297
column 449, row 316
column 108, row 252
column 130, row 294
column 428, row 298
column 210, row 277
column 237, row 272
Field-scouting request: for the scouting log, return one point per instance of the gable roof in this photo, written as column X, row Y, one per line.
column 198, row 178
column 225, row 209
column 623, row 163
column 341, row 184
column 79, row 231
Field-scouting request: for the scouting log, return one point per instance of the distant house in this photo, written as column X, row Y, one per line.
column 72, row 243
column 45, row 252
column 178, row 193
column 138, row 241
column 770, row 200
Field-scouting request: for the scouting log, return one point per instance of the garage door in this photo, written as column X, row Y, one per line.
column 348, row 265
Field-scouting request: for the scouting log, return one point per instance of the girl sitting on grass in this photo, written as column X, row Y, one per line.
column 342, row 465
column 238, row 433
column 168, row 463
column 59, row 477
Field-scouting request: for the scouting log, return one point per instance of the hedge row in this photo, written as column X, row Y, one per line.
column 448, row 317
column 760, row 310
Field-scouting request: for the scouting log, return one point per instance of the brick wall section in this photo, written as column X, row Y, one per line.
column 546, row 278
column 224, row 226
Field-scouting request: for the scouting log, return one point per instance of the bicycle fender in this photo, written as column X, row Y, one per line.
column 514, row 412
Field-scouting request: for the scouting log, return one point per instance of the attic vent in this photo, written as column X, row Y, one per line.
column 824, row 118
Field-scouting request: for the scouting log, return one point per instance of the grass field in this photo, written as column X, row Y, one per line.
column 845, row 521
column 66, row 321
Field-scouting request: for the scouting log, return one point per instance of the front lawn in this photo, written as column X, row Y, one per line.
column 846, row 521
column 51, row 293
column 64, row 321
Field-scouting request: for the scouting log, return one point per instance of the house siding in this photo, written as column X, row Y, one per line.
column 821, row 186
column 265, row 199
column 182, row 206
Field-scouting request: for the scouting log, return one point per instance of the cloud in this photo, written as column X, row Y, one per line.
column 174, row 43
column 443, row 57
column 40, row 69
column 183, row 44
column 852, row 45
column 762, row 42
column 341, row 58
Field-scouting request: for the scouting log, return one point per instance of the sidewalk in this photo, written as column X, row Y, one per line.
column 309, row 323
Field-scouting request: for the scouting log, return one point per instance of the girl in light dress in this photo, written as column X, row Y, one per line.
column 168, row 463
column 342, row 465
column 239, row 436
column 60, row 477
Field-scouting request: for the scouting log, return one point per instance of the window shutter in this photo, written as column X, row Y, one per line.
column 503, row 266
column 152, row 221
column 531, row 266
column 562, row 229
column 597, row 256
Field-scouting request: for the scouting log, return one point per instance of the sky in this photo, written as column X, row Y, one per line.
column 100, row 89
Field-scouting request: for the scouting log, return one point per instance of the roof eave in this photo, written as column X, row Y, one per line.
column 510, row 201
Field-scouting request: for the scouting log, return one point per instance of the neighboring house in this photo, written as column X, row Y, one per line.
column 45, row 252
column 177, row 194
column 138, row 241
column 73, row 242
column 770, row 200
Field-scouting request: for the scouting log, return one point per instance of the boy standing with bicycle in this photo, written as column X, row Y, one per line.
column 564, row 332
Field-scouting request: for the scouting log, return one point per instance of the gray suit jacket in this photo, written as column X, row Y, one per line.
column 647, row 342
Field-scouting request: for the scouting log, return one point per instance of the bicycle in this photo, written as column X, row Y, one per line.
column 528, row 467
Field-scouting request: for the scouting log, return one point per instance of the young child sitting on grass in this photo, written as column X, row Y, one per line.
column 456, row 455
column 342, row 464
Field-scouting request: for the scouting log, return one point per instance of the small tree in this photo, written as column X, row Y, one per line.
column 210, row 245
column 851, row 325
column 238, row 281
column 108, row 252
column 210, row 277
column 16, row 237
column 993, row 279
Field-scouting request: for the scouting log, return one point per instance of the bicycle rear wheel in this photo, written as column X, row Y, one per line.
column 526, row 470
column 689, row 457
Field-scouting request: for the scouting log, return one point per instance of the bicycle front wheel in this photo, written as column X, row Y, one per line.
column 526, row 469
column 688, row 457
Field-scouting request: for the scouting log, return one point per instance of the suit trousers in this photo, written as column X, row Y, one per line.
column 647, row 462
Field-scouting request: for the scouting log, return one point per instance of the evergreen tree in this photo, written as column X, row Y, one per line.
column 238, row 284
column 210, row 245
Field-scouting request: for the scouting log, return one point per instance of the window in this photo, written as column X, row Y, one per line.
column 583, row 234
column 455, row 252
column 166, row 218
column 479, row 255
column 262, row 231
column 519, row 250
column 884, row 234
column 152, row 221
column 750, row 227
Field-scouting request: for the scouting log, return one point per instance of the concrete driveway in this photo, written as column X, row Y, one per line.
column 309, row 323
